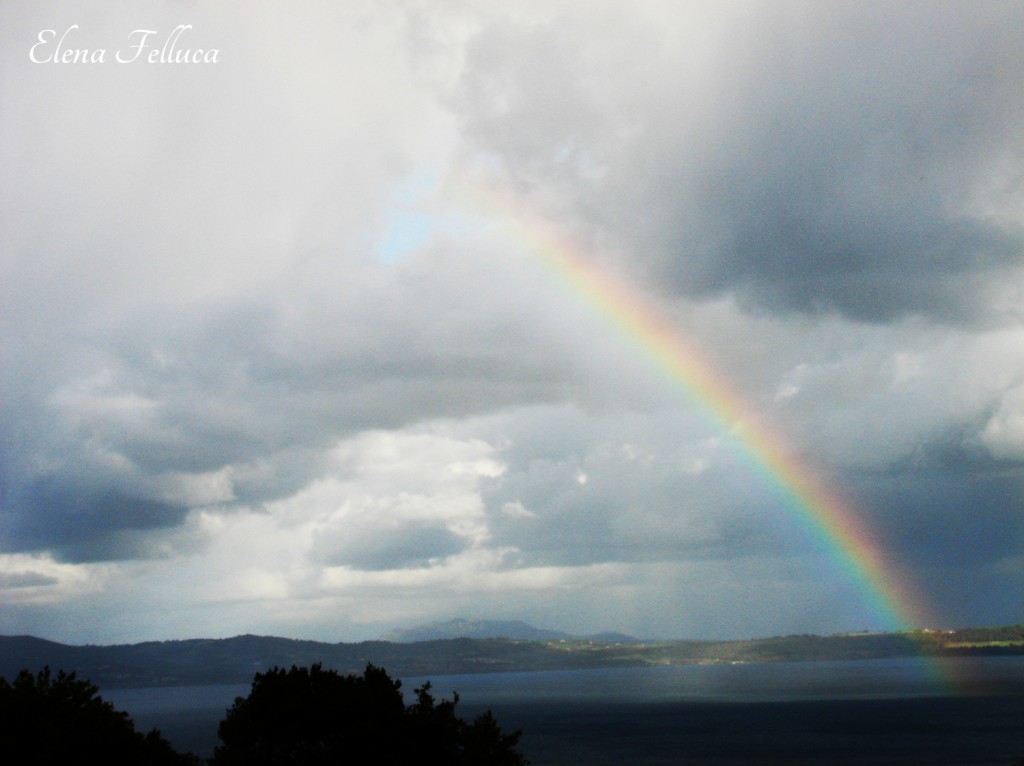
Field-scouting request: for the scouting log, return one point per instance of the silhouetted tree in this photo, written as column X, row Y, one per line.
column 62, row 720
column 313, row 716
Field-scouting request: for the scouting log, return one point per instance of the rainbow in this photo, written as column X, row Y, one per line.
column 828, row 517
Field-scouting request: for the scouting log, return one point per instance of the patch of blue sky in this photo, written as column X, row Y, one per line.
column 418, row 214
column 410, row 225
column 407, row 232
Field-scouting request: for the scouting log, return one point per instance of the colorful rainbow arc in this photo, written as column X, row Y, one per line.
column 828, row 517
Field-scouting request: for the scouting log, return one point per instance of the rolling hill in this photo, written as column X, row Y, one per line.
column 236, row 660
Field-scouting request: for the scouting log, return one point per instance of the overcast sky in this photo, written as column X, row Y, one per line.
column 273, row 361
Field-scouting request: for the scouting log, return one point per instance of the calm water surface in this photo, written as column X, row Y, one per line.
column 885, row 712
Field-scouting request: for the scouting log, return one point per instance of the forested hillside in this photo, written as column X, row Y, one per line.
column 234, row 660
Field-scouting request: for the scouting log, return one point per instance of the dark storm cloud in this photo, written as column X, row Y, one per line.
column 261, row 388
column 958, row 529
column 82, row 522
column 958, row 513
column 825, row 159
column 840, row 185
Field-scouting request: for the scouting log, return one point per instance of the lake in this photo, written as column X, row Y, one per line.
column 854, row 713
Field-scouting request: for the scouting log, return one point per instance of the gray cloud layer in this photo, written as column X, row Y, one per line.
column 855, row 159
column 221, row 391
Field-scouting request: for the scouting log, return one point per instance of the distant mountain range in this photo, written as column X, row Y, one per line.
column 511, row 629
column 236, row 660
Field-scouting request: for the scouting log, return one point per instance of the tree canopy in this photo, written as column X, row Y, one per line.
column 315, row 716
column 47, row 719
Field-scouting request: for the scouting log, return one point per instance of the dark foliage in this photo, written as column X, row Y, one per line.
column 314, row 716
column 62, row 720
